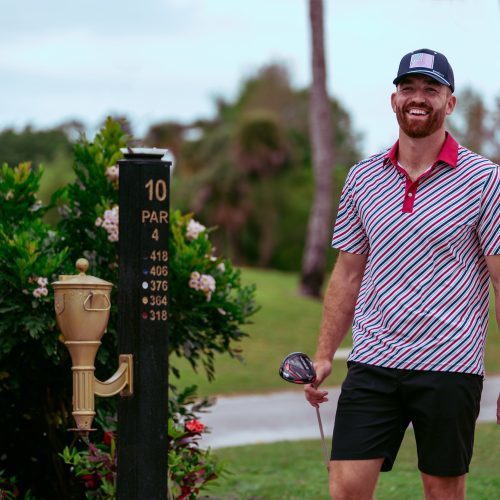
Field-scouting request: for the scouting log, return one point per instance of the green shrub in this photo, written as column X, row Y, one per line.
column 208, row 307
column 34, row 395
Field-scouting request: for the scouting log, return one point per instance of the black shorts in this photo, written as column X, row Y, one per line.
column 377, row 404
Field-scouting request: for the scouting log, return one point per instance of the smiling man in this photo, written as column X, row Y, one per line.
column 418, row 233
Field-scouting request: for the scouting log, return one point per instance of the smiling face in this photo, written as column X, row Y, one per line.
column 421, row 105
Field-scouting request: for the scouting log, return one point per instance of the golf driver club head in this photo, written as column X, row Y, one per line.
column 297, row 368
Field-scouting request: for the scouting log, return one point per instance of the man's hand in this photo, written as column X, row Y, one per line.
column 315, row 397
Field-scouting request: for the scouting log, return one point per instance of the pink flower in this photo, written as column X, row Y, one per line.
column 43, row 282
column 40, row 292
column 194, row 426
column 109, row 222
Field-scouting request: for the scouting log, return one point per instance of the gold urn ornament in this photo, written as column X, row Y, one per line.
column 82, row 304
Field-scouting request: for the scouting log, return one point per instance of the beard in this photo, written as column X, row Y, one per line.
column 418, row 128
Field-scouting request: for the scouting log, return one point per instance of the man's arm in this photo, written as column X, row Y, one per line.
column 493, row 263
column 338, row 311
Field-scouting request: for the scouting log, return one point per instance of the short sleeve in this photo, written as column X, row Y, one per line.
column 349, row 234
column 488, row 227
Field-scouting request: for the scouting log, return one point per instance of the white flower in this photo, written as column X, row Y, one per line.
column 43, row 291
column 113, row 236
column 221, row 267
column 194, row 284
column 36, row 293
column 42, row 282
column 221, row 311
column 207, row 283
column 112, row 173
column 63, row 211
column 36, row 206
column 194, row 229
column 203, row 283
column 109, row 222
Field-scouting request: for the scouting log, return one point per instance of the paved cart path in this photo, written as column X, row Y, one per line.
column 286, row 415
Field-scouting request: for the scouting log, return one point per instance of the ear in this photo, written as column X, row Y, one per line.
column 393, row 101
column 450, row 105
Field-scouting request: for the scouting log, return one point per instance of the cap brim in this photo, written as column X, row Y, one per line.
column 438, row 78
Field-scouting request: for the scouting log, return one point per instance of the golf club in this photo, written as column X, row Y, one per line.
column 297, row 368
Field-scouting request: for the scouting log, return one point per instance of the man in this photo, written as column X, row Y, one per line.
column 418, row 233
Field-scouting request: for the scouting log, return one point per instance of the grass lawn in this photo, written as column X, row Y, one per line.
column 286, row 322
column 295, row 470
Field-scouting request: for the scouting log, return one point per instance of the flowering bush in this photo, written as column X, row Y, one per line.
column 189, row 468
column 204, row 318
column 218, row 303
column 34, row 396
column 95, row 467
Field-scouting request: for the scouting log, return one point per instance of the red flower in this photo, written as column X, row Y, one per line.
column 194, row 426
column 186, row 492
column 90, row 482
column 107, row 438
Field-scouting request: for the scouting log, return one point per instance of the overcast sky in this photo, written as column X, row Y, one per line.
column 157, row 60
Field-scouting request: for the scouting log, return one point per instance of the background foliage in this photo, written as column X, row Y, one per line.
column 246, row 170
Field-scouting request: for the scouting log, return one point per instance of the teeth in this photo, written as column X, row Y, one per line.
column 415, row 111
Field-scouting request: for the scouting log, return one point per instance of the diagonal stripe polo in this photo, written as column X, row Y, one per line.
column 424, row 298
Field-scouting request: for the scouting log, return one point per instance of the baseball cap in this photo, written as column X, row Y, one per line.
column 426, row 62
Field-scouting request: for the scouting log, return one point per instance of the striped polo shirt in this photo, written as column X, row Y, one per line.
column 424, row 298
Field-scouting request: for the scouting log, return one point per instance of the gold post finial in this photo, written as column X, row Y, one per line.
column 82, row 265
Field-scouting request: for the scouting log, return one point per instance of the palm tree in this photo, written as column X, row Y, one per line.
column 321, row 131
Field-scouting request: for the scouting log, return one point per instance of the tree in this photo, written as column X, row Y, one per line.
column 321, row 129
column 248, row 169
column 35, row 146
column 475, row 125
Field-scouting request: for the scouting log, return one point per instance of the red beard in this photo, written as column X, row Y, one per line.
column 418, row 127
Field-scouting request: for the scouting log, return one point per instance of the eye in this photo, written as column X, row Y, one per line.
column 432, row 90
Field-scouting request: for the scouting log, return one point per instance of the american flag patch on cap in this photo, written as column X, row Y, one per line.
column 422, row 60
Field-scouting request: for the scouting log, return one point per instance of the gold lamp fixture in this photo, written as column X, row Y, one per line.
column 82, row 304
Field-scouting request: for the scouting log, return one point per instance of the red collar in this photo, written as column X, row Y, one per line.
column 448, row 153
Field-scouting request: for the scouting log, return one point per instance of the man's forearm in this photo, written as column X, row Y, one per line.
column 493, row 263
column 339, row 304
column 496, row 290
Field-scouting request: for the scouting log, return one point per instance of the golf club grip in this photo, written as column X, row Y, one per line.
column 325, row 452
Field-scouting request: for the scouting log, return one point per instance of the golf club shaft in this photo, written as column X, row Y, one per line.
column 325, row 452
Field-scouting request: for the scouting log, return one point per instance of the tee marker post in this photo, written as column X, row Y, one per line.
column 144, row 192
